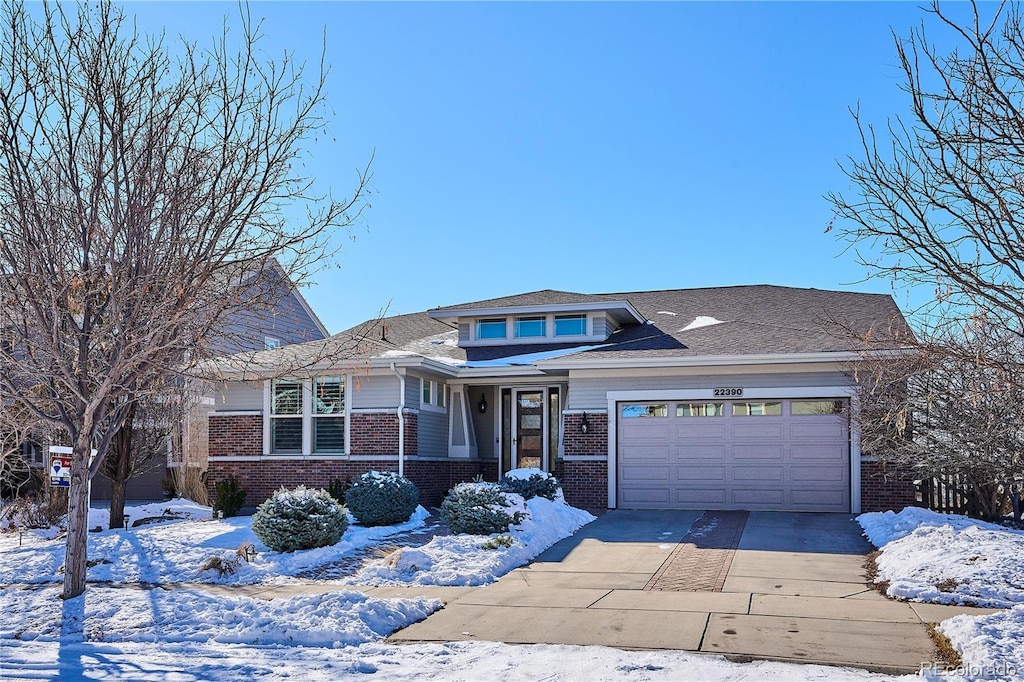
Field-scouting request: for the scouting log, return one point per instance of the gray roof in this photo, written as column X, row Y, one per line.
column 752, row 320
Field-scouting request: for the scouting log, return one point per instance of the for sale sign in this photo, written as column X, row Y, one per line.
column 60, row 470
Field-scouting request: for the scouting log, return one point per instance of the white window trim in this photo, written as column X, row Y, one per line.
column 436, row 390
column 307, row 420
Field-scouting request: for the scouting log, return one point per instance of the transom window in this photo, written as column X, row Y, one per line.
column 641, row 411
column 700, row 409
column 772, row 409
column 491, row 329
column 570, row 325
column 816, row 407
column 530, row 327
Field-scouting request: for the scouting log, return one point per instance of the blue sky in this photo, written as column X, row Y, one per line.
column 592, row 147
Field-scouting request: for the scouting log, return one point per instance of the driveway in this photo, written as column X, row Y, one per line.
column 767, row 585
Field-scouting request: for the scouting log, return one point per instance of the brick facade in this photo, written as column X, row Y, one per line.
column 882, row 488
column 593, row 442
column 236, row 435
column 584, row 483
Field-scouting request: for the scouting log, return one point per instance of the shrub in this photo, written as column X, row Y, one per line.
column 536, row 485
column 337, row 488
column 47, row 508
column 299, row 519
column 230, row 496
column 478, row 509
column 381, row 499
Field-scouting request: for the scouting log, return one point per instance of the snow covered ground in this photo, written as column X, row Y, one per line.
column 130, row 632
column 950, row 559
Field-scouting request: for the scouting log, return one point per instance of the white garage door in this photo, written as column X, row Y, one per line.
column 757, row 455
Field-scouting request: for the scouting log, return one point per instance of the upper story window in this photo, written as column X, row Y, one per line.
column 491, row 329
column 530, row 327
column 570, row 325
column 269, row 342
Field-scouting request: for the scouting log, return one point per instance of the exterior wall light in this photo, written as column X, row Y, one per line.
column 483, row 404
column 584, row 424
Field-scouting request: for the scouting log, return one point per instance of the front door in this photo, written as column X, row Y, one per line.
column 528, row 438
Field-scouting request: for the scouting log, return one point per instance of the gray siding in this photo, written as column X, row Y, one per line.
column 589, row 394
column 601, row 326
column 369, row 392
column 413, row 394
column 433, row 434
column 464, row 331
column 483, row 424
column 238, row 396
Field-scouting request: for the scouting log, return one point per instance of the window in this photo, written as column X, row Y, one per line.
column 636, row 411
column 286, row 416
column 434, row 393
column 807, row 407
column 329, row 414
column 756, row 409
column 570, row 325
column 700, row 409
column 530, row 327
column 491, row 329
column 269, row 342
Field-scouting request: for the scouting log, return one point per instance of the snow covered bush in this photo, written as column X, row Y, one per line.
column 479, row 509
column 531, row 483
column 299, row 519
column 381, row 498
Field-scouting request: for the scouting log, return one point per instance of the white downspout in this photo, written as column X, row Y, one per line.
column 401, row 420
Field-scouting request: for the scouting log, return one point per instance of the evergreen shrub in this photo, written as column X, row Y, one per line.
column 478, row 509
column 381, row 498
column 301, row 518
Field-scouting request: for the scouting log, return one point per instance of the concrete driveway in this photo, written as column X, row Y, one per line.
column 770, row 585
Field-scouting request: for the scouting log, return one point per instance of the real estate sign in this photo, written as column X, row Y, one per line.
column 60, row 469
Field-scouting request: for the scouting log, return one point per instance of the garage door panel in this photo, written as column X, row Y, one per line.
column 746, row 474
column 815, row 428
column 757, row 451
column 759, row 462
column 641, row 473
column 754, row 498
column 700, row 497
column 688, row 473
column 689, row 452
column 825, row 474
column 834, row 453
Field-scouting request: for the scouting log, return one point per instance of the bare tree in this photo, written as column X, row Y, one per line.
column 139, row 184
column 951, row 407
column 938, row 197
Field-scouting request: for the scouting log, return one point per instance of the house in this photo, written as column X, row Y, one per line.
column 731, row 397
column 274, row 316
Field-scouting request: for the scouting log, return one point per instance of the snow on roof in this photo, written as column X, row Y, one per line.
column 529, row 358
column 700, row 321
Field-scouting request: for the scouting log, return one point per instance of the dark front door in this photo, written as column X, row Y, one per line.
column 528, row 441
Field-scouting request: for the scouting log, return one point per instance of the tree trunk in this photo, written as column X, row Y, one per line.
column 121, row 451
column 78, row 522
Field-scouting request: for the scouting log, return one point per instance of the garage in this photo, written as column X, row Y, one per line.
column 787, row 454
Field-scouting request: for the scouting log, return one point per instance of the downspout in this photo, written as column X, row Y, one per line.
column 401, row 420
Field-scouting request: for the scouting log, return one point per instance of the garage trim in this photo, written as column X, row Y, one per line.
column 782, row 392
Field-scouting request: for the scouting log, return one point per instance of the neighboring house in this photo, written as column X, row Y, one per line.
column 280, row 317
column 723, row 398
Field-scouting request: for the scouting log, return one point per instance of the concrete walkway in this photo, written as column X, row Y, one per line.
column 780, row 586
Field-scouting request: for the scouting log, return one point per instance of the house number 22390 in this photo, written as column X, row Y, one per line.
column 728, row 392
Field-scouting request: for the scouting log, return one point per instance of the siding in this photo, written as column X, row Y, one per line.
column 238, row 396
column 589, row 394
column 375, row 391
column 464, row 330
column 433, row 434
column 413, row 394
column 483, row 424
column 601, row 326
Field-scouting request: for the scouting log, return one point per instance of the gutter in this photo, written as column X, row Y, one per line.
column 401, row 420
